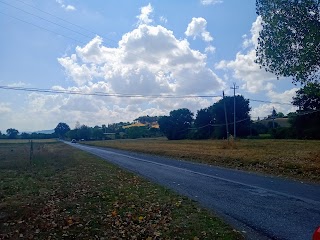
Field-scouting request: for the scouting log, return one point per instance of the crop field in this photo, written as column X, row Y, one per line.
column 64, row 193
column 295, row 159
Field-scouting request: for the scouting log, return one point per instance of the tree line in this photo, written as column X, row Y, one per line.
column 215, row 121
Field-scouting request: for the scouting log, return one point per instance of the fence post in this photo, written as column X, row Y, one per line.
column 31, row 151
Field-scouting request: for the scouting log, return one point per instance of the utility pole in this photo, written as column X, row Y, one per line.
column 225, row 116
column 234, row 108
column 273, row 117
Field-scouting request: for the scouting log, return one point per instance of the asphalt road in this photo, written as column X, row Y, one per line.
column 261, row 207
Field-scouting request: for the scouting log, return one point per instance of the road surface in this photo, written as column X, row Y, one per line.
column 262, row 207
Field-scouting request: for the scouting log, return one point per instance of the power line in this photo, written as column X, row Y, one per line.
column 64, row 20
column 115, row 94
column 281, row 103
column 39, row 9
column 87, row 36
column 102, row 94
column 43, row 28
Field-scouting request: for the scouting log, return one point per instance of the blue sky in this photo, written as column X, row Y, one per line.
column 194, row 47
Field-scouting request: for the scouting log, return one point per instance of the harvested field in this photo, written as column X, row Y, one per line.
column 295, row 159
column 64, row 193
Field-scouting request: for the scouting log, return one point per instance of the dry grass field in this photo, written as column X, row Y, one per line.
column 64, row 193
column 295, row 159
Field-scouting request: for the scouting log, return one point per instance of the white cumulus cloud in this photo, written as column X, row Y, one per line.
column 149, row 60
column 144, row 18
column 244, row 68
column 197, row 28
column 210, row 2
column 67, row 7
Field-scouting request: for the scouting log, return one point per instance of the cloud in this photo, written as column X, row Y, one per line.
column 17, row 84
column 66, row 7
column 255, row 31
column 281, row 103
column 5, row 108
column 197, row 27
column 148, row 60
column 284, row 97
column 210, row 2
column 143, row 18
column 163, row 19
column 244, row 68
column 210, row 49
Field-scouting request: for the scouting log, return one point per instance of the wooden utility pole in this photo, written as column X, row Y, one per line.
column 225, row 115
column 234, row 109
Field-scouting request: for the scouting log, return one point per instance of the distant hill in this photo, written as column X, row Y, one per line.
column 46, row 131
column 283, row 122
column 42, row 131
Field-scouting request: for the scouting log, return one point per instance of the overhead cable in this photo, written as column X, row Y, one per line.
column 102, row 94
column 43, row 28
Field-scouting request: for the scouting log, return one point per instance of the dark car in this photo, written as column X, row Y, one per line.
column 73, row 141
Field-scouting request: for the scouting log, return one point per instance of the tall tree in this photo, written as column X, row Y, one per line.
column 61, row 129
column 242, row 116
column 84, row 132
column 306, row 122
column 289, row 42
column 308, row 97
column 97, row 132
column 12, row 133
column 203, row 123
column 175, row 126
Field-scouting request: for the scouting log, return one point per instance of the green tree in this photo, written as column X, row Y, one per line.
column 243, row 121
column 289, row 42
column 136, row 132
column 12, row 133
column 84, row 132
column 308, row 97
column 306, row 122
column 61, row 129
column 25, row 135
column 97, row 133
column 203, row 123
column 72, row 134
column 175, row 126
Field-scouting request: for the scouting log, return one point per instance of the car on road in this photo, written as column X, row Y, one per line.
column 73, row 141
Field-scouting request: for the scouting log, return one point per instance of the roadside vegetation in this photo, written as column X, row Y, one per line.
column 64, row 193
column 295, row 159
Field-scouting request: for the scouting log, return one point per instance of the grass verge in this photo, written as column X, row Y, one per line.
column 295, row 159
column 68, row 194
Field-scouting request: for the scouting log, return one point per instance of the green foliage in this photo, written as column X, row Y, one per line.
column 259, row 128
column 308, row 97
column 147, row 119
column 84, row 132
column 136, row 132
column 97, row 133
column 210, row 122
column 306, row 126
column 203, row 123
column 176, row 125
column 61, row 129
column 289, row 42
column 306, row 122
column 282, row 133
column 12, row 133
